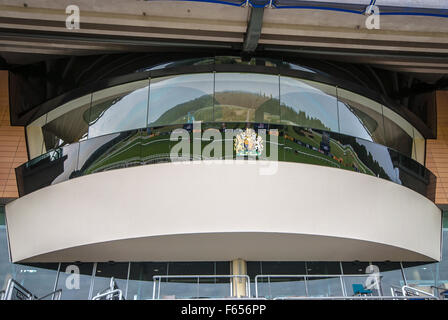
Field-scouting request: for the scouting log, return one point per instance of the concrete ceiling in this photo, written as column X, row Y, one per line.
column 35, row 30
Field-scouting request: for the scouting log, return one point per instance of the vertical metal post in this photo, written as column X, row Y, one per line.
column 404, row 275
column 127, row 281
column 56, row 280
column 92, row 281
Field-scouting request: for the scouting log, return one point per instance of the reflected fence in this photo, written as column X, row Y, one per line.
column 283, row 287
column 332, row 287
column 201, row 287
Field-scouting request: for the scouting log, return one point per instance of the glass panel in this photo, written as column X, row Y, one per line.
column 421, row 276
column 324, row 286
column 442, row 279
column 67, row 124
column 178, row 288
column 399, row 133
column 322, row 268
column 71, row 289
column 357, row 285
column 419, row 144
column 181, row 99
column 246, row 97
column 50, row 168
column 104, row 273
column 141, row 285
column 113, row 151
column 283, row 287
column 317, row 147
column 283, row 267
column 35, row 136
column 215, row 287
column 253, row 269
column 38, row 278
column 182, row 63
column 360, row 117
column 308, row 104
column 156, row 145
column 6, row 267
column 119, row 108
column 191, row 268
column 391, row 277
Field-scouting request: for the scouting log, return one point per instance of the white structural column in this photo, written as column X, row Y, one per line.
column 220, row 212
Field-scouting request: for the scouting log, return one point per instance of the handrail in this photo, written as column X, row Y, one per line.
column 157, row 280
column 57, row 293
column 8, row 292
column 109, row 293
column 417, row 291
column 305, row 276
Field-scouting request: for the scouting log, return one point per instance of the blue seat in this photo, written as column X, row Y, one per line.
column 358, row 289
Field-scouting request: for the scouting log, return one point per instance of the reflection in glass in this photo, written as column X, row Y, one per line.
column 35, row 137
column 181, row 99
column 50, row 168
column 38, row 278
column 246, row 97
column 113, row 151
column 119, row 108
column 67, row 124
column 360, row 117
column 420, row 147
column 391, row 277
column 442, row 268
column 6, row 267
column 156, row 145
column 308, row 104
column 324, row 286
column 353, row 283
column 282, row 286
column 66, row 282
column 104, row 273
column 140, row 285
column 178, row 288
column 420, row 276
column 399, row 133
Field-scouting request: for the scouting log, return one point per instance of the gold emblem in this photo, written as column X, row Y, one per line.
column 248, row 143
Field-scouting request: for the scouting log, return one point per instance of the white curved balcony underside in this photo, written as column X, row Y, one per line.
column 207, row 211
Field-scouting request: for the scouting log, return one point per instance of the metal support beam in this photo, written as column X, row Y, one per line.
column 253, row 30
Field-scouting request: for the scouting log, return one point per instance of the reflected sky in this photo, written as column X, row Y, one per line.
column 128, row 112
column 352, row 125
column 170, row 92
column 381, row 155
column 314, row 102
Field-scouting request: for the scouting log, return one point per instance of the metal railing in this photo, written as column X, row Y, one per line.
column 307, row 278
column 15, row 291
column 414, row 292
column 56, row 295
column 110, row 293
column 116, row 294
column 158, row 282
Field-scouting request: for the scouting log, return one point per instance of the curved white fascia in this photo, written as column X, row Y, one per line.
column 210, row 211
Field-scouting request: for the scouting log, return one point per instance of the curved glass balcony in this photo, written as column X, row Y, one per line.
column 293, row 143
column 223, row 94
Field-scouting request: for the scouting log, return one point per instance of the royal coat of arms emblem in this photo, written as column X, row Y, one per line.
column 248, row 143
